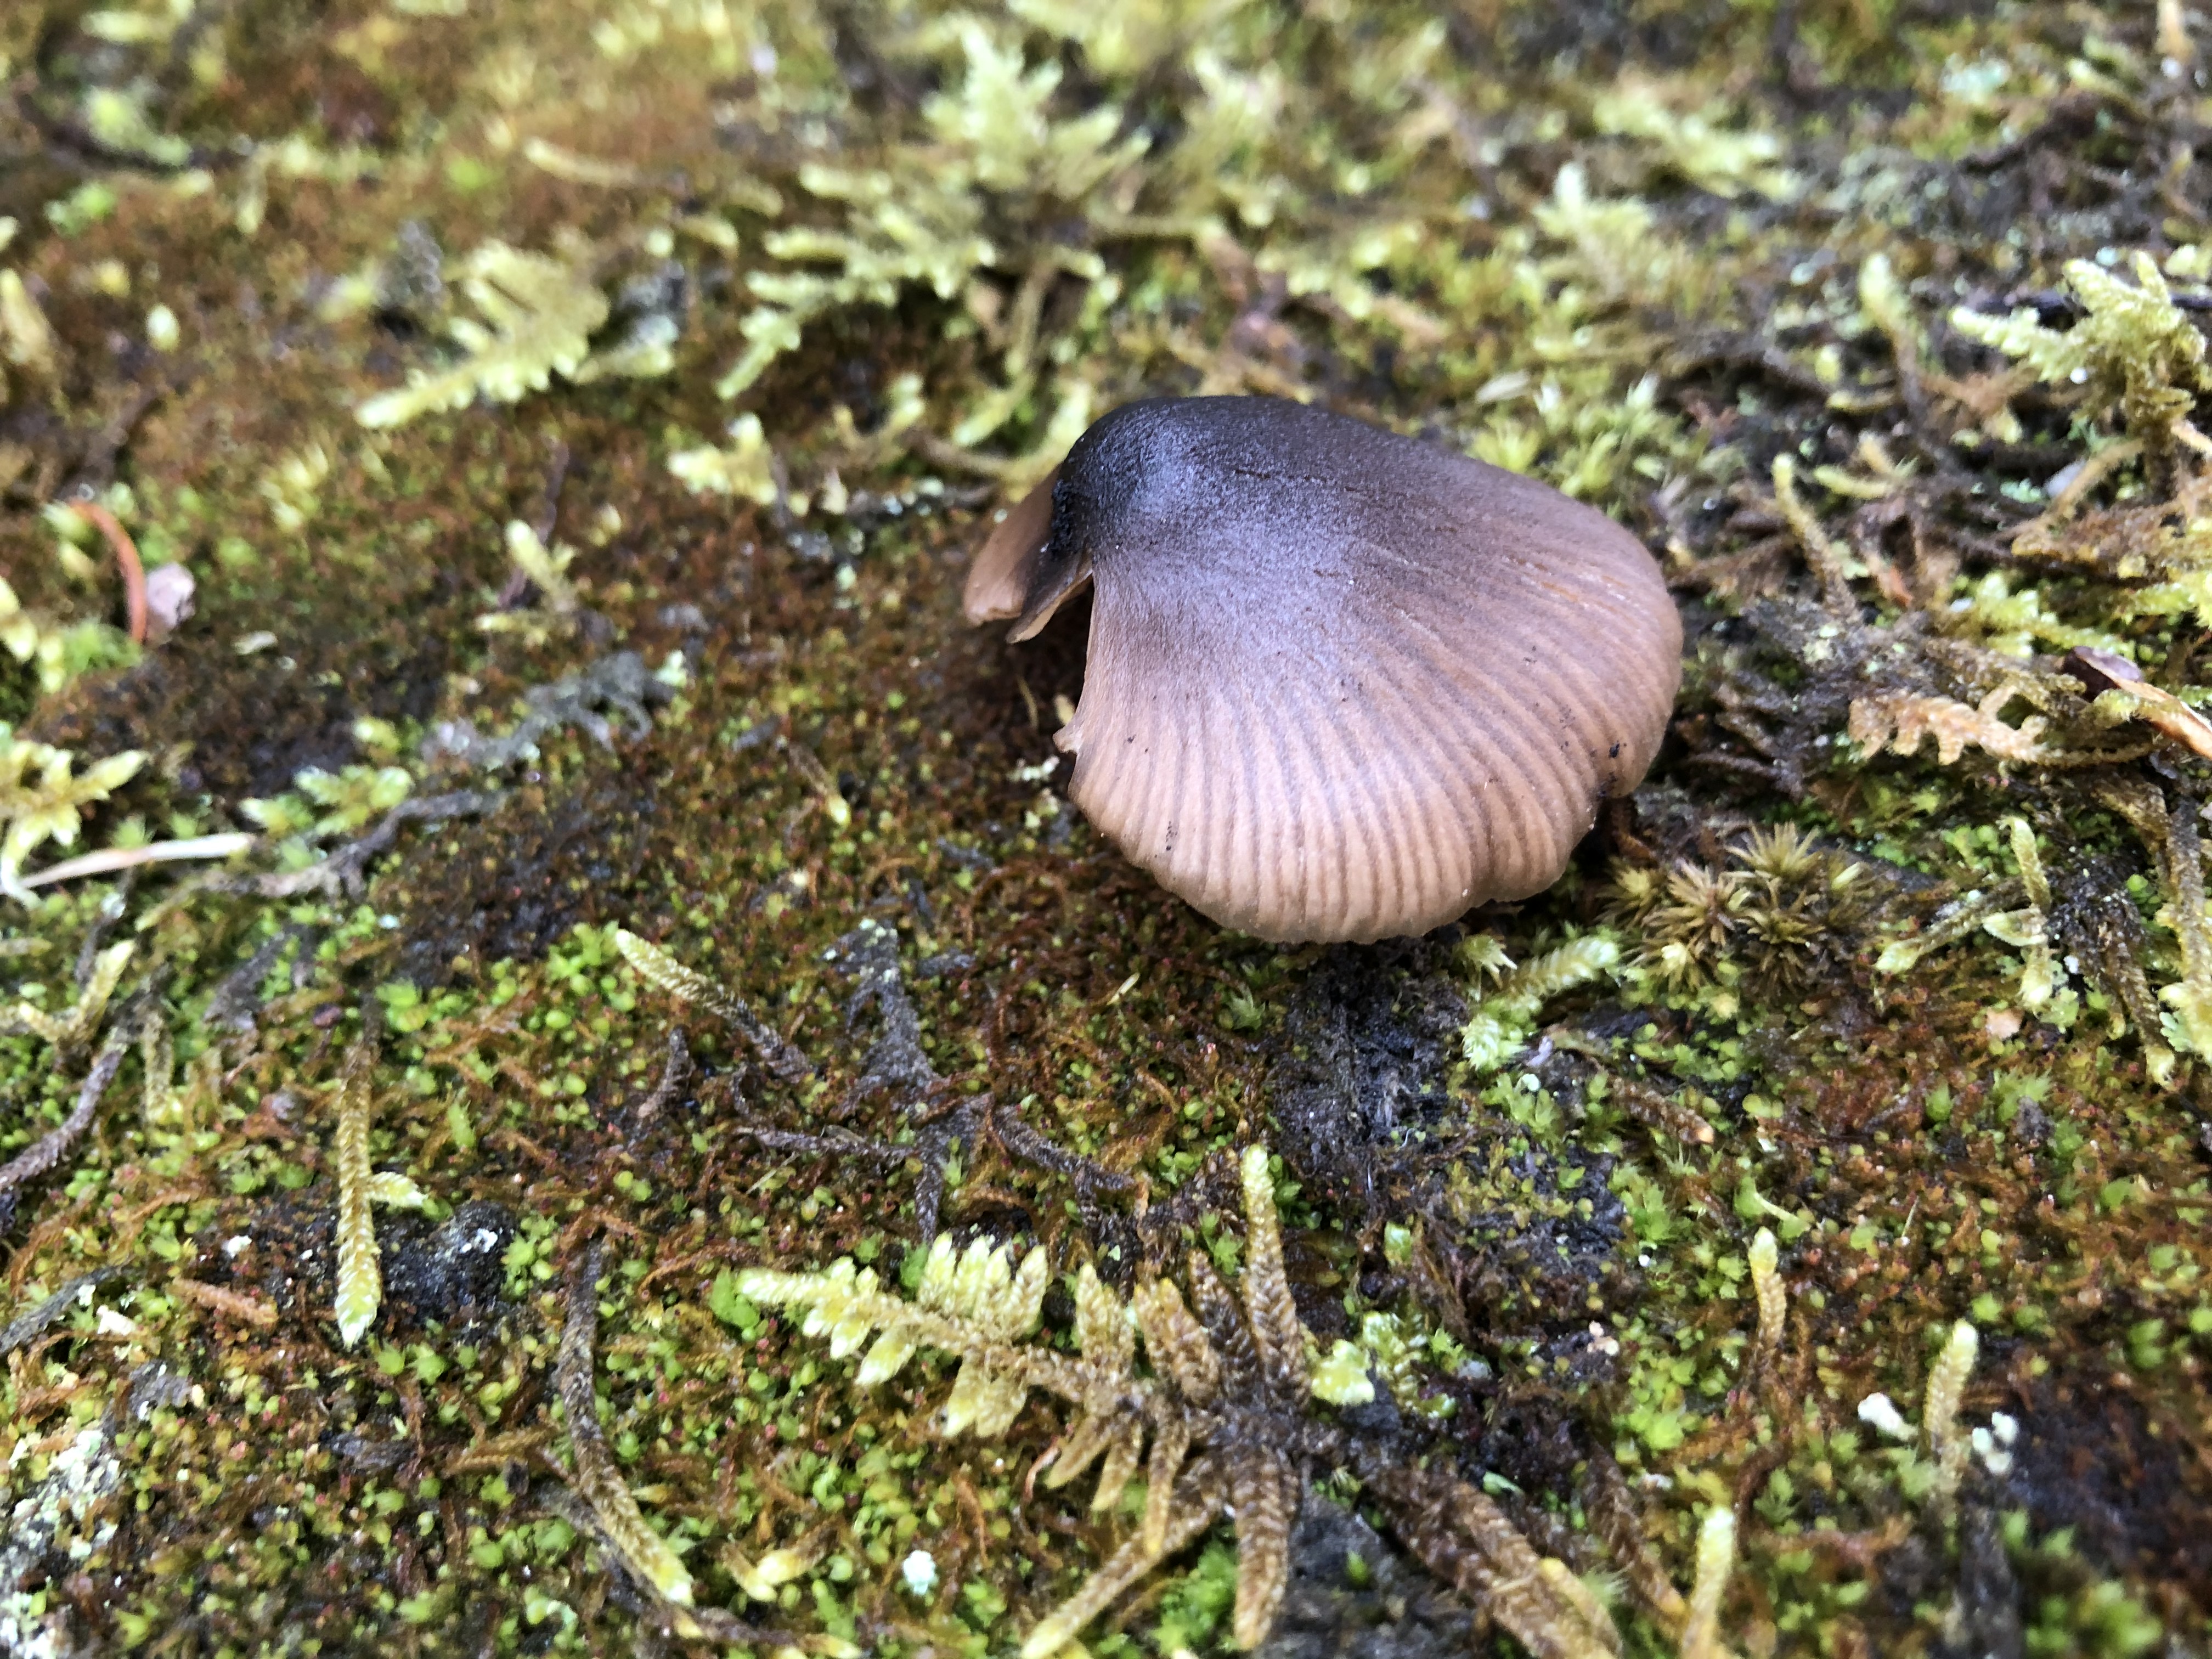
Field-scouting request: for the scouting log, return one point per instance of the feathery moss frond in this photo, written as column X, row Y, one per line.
column 350, row 797
column 26, row 339
column 2136, row 350
column 57, row 652
column 77, row 1026
column 1501, row 1021
column 1710, row 156
column 2027, row 929
column 1899, row 721
column 1768, row 1289
column 546, row 569
column 662, row 971
column 1124, row 39
column 1701, row 1638
column 1275, row 1319
column 920, row 223
column 361, row 1274
column 1463, row 1538
column 742, row 469
column 360, row 1270
column 539, row 313
column 1939, row 1416
column 1225, row 1407
column 50, row 806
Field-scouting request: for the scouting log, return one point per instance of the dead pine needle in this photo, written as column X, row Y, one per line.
column 109, row 859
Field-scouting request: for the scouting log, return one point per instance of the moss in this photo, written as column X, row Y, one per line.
column 1898, row 1034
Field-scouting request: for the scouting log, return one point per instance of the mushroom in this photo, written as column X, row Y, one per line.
column 1341, row 685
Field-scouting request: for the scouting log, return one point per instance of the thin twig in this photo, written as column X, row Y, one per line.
column 30, row 1324
column 109, row 859
column 1023, row 1142
column 341, row 870
column 237, row 998
column 42, row 1154
column 672, row 1076
column 837, row 1143
column 126, row 556
column 938, row 452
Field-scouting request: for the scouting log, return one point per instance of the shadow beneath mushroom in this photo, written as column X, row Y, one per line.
column 1050, row 666
column 1369, row 1037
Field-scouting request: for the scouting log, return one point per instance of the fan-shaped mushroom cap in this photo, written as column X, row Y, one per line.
column 1341, row 685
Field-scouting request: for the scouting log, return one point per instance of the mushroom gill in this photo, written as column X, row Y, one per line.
column 1341, row 685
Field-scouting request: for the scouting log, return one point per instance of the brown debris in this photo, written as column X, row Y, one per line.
column 251, row 1310
column 2104, row 671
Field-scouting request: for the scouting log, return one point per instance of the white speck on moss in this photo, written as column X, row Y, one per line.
column 1879, row 1411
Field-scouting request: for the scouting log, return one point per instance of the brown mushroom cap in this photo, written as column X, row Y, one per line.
column 1341, row 685
column 999, row 581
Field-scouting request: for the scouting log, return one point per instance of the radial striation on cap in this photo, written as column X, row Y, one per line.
column 1341, row 685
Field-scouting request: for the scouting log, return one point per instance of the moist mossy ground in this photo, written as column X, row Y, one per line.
column 1643, row 252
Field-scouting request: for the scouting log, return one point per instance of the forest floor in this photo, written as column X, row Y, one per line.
column 486, row 483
